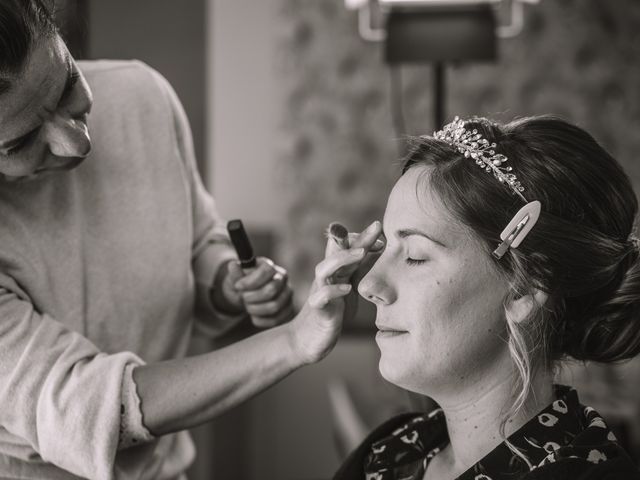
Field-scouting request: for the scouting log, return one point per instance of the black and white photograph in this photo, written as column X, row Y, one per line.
column 319, row 240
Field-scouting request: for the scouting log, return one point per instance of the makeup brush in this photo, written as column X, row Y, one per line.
column 339, row 234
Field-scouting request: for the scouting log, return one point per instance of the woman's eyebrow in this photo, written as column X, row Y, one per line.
column 409, row 232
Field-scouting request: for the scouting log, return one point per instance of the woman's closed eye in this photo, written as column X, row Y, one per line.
column 414, row 261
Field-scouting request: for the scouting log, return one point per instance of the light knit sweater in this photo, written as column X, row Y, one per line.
column 101, row 267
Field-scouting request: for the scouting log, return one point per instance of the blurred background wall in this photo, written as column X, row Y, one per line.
column 292, row 117
column 578, row 59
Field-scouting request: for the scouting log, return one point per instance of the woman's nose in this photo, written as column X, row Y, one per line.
column 68, row 137
column 375, row 289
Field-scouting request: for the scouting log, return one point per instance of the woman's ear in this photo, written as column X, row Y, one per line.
column 518, row 309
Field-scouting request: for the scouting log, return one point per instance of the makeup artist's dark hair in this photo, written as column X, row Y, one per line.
column 22, row 22
column 581, row 252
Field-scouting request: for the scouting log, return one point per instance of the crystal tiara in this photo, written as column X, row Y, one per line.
column 471, row 144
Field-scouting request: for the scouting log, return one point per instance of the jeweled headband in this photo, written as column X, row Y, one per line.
column 472, row 145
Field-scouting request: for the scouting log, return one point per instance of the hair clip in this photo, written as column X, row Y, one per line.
column 518, row 228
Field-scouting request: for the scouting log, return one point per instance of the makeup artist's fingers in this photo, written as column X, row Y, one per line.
column 342, row 258
column 234, row 271
column 326, row 293
column 268, row 291
column 367, row 239
column 377, row 246
column 272, row 307
column 263, row 272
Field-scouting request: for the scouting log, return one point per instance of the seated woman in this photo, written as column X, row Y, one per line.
column 478, row 301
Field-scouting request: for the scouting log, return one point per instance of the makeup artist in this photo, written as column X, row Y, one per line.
column 111, row 253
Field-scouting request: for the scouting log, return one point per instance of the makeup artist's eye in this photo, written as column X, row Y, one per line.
column 22, row 144
column 413, row 261
column 73, row 80
column 15, row 149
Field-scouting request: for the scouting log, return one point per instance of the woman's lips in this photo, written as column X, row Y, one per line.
column 389, row 333
column 385, row 331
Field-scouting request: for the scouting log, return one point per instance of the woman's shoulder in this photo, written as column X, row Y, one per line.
column 615, row 467
column 591, row 450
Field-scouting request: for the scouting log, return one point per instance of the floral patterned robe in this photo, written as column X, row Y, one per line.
column 564, row 441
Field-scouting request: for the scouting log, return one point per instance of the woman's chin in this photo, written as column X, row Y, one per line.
column 411, row 378
column 390, row 370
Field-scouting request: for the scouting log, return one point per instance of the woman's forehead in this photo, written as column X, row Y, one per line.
column 35, row 88
column 412, row 200
column 414, row 204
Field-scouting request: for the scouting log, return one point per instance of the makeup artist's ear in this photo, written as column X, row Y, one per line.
column 519, row 307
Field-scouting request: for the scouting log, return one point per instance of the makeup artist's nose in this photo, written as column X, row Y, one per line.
column 68, row 137
column 375, row 289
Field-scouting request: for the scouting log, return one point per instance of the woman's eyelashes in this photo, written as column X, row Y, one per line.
column 414, row 261
column 402, row 247
column 415, row 255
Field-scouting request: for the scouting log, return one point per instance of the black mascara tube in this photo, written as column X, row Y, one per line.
column 241, row 243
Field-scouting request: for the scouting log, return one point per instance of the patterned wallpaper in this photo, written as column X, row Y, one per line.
column 338, row 158
column 576, row 58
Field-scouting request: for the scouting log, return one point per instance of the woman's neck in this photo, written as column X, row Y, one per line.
column 474, row 416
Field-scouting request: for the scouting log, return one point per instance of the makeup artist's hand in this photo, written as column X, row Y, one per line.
column 264, row 292
column 371, row 239
column 316, row 328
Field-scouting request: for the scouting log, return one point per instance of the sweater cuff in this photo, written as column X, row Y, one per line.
column 132, row 429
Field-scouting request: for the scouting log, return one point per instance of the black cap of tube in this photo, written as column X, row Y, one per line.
column 241, row 243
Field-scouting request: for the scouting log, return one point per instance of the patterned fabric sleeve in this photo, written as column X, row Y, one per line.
column 132, row 429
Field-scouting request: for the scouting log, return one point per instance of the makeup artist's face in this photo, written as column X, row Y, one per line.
column 439, row 301
column 43, row 116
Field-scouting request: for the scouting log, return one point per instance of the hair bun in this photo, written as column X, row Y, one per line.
column 612, row 332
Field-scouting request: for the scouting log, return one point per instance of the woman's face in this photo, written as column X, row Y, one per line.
column 43, row 116
column 440, row 314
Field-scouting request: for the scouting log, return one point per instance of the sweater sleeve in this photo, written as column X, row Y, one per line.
column 133, row 432
column 58, row 391
column 211, row 247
